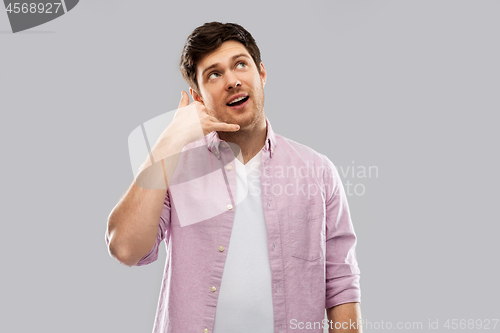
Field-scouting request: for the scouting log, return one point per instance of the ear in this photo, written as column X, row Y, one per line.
column 195, row 96
column 263, row 74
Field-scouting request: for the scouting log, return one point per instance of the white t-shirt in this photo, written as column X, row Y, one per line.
column 245, row 297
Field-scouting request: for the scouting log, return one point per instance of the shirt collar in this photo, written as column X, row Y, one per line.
column 214, row 142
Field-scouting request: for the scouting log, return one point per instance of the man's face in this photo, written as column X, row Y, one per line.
column 227, row 73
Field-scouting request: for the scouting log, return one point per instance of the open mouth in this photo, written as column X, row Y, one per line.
column 238, row 101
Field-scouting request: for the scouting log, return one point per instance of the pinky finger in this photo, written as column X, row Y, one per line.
column 226, row 127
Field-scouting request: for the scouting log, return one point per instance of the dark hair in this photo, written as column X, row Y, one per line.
column 209, row 37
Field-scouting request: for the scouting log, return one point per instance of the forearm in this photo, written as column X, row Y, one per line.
column 133, row 223
column 345, row 318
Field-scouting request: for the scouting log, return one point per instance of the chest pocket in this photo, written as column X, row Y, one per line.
column 306, row 236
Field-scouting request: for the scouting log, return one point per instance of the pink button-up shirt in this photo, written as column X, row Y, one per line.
column 310, row 236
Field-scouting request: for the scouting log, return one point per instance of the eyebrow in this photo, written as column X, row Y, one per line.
column 217, row 64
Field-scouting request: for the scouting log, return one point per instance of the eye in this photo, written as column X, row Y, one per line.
column 211, row 75
column 241, row 63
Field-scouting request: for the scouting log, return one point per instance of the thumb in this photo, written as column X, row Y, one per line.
column 184, row 99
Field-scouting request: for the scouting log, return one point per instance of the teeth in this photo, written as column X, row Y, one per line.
column 237, row 99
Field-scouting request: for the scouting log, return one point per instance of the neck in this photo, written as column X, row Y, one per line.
column 250, row 140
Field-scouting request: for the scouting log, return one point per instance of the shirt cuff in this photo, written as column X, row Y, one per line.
column 344, row 289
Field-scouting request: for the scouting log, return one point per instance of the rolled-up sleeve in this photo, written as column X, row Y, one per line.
column 342, row 272
column 163, row 228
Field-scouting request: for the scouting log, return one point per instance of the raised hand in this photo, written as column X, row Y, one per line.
column 191, row 122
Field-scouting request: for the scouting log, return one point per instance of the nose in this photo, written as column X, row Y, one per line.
column 232, row 81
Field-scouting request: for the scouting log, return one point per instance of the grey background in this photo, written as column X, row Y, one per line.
column 408, row 86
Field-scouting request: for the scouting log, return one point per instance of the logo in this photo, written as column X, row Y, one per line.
column 29, row 14
column 201, row 178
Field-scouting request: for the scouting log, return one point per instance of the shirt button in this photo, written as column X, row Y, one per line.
column 221, row 248
column 213, row 289
column 229, row 167
column 205, row 330
column 229, row 207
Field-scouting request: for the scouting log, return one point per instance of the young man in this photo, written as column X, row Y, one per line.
column 257, row 227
